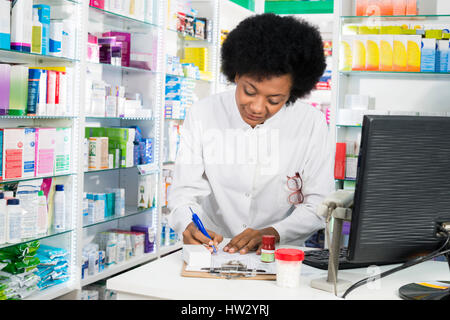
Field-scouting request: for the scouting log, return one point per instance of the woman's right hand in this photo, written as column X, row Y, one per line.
column 191, row 235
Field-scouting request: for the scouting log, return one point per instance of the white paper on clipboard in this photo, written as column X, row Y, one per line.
column 251, row 260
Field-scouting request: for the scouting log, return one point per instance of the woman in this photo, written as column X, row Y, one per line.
column 251, row 161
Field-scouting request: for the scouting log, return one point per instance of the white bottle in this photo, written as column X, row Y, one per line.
column 3, row 219
column 93, row 263
column 9, row 195
column 111, row 248
column 15, row 214
column 129, row 248
column 42, row 216
column 29, row 205
column 121, row 248
column 59, row 219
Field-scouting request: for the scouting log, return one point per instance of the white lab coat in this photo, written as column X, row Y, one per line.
column 234, row 177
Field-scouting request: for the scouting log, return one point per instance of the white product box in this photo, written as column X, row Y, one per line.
column 29, row 153
column 62, row 150
column 196, row 255
column 98, row 153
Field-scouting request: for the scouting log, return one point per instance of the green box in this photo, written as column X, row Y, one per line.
column 94, row 132
column 126, row 152
column 121, row 134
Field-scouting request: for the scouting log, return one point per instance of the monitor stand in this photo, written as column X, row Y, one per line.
column 328, row 283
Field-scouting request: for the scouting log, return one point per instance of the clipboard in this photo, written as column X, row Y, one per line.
column 223, row 275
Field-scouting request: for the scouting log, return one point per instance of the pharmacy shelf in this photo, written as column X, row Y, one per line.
column 348, row 126
column 119, row 21
column 129, row 212
column 395, row 74
column 41, row 237
column 164, row 250
column 112, row 270
column 150, row 168
column 188, row 37
column 6, row 117
column 122, row 68
column 109, row 169
column 13, row 56
column 52, row 292
column 59, row 2
column 189, row 78
column 120, row 118
column 414, row 92
column 35, row 178
column 372, row 19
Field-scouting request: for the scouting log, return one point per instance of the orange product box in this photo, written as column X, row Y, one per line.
column 361, row 7
column 411, row 8
column 399, row 7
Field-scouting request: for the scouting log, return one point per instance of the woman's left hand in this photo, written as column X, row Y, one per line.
column 250, row 240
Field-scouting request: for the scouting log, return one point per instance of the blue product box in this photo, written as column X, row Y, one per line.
column 146, row 151
column 136, row 153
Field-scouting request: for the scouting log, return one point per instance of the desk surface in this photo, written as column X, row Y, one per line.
column 161, row 279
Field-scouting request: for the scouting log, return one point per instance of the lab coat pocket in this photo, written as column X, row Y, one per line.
column 283, row 192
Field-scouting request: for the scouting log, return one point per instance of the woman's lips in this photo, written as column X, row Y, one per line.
column 253, row 118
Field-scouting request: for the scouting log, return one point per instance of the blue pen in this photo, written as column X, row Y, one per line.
column 200, row 226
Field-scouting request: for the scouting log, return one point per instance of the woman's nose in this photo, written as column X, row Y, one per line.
column 257, row 106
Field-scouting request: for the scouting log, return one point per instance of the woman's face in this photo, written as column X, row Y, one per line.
column 258, row 100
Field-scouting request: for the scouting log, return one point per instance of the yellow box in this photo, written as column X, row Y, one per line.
column 386, row 52
column 359, row 53
column 413, row 49
column 346, row 53
column 400, row 53
column 372, row 52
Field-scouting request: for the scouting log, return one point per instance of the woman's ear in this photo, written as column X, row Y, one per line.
column 236, row 78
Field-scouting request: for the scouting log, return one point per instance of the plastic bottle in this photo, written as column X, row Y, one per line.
column 128, row 248
column 15, row 214
column 36, row 33
column 121, row 248
column 29, row 204
column 59, row 221
column 3, row 219
column 42, row 216
column 9, row 195
column 111, row 249
column 268, row 249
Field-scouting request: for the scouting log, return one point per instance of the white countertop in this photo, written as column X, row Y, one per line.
column 161, row 279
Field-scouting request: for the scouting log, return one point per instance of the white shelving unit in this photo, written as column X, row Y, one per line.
column 153, row 36
column 150, row 84
column 389, row 92
column 224, row 14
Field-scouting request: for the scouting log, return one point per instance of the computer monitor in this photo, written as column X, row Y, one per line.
column 402, row 188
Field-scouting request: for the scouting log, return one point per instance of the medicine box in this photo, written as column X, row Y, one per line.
column 149, row 238
column 62, row 150
column 29, row 153
column 428, row 58
column 45, row 150
column 5, row 78
column 196, row 255
column 13, row 143
column 98, row 153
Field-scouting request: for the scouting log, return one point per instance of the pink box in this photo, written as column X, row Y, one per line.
column 45, row 151
column 97, row 3
column 125, row 39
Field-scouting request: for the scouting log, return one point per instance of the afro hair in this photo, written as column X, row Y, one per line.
column 267, row 45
